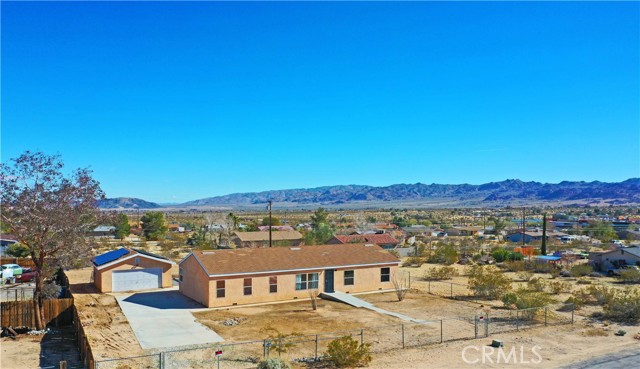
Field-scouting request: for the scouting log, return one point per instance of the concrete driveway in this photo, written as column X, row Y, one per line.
column 162, row 319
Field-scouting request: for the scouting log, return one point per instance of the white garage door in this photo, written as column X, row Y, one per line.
column 140, row 279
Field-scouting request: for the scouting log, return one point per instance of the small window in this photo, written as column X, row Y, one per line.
column 273, row 284
column 385, row 274
column 137, row 261
column 247, row 287
column 180, row 273
column 220, row 289
column 349, row 277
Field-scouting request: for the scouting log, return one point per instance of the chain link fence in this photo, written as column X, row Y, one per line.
column 307, row 348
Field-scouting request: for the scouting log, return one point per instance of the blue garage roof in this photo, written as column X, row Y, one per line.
column 109, row 256
column 547, row 257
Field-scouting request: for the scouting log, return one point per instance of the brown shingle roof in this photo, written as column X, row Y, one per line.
column 261, row 260
column 264, row 236
column 370, row 238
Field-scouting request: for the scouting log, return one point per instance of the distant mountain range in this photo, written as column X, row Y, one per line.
column 509, row 192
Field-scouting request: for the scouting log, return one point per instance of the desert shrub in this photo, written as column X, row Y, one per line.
column 536, row 284
column 394, row 253
column 413, row 261
column 559, row 287
column 476, row 257
column 595, row 332
column 280, row 341
column 500, row 255
column 489, row 281
column 630, row 276
column 514, row 266
column 583, row 281
column 527, row 299
column 624, row 306
column 440, row 273
column 542, row 267
column 555, row 272
column 516, row 256
column 273, row 363
column 348, row 352
column 581, row 270
column 525, row 276
column 601, row 294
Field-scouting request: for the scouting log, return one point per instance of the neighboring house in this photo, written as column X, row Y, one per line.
column 127, row 269
column 261, row 239
column 103, row 231
column 5, row 241
column 383, row 240
column 247, row 276
column 469, row 231
column 275, row 228
column 613, row 259
column 533, row 236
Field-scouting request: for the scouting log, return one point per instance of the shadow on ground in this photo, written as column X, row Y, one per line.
column 58, row 345
column 163, row 300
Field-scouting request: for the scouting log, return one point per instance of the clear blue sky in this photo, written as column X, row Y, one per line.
column 173, row 102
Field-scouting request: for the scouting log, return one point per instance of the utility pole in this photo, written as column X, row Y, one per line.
column 523, row 226
column 270, row 240
column 543, row 248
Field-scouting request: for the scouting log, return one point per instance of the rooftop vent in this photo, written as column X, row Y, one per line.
column 295, row 248
column 368, row 244
column 208, row 252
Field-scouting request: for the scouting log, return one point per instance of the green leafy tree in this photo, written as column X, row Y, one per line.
column 153, row 225
column 50, row 214
column 320, row 216
column 399, row 221
column 371, row 219
column 601, row 230
column 319, row 235
column 18, row 250
column 274, row 221
column 123, row 229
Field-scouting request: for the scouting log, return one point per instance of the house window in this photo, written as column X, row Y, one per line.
column 273, row 284
column 247, row 286
column 180, row 273
column 349, row 277
column 306, row 281
column 220, row 289
column 385, row 274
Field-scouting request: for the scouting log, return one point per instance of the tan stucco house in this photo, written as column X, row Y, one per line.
column 261, row 238
column 127, row 269
column 246, row 276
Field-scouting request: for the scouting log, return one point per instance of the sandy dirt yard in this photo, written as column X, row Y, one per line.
column 104, row 323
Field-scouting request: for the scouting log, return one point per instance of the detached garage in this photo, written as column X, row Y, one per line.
column 127, row 269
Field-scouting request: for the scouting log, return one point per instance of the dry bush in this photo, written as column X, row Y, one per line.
column 346, row 352
column 595, row 332
column 525, row 276
column 560, row 287
column 413, row 261
column 536, row 284
column 623, row 306
column 489, row 281
column 440, row 273
column 581, row 270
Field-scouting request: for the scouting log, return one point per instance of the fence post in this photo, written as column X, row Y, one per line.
column 545, row 316
column 316, row 355
column 451, row 284
column 441, row 334
column 475, row 326
column 362, row 336
column 429, row 286
column 486, row 326
column 517, row 320
column 402, row 327
column 162, row 360
column 573, row 307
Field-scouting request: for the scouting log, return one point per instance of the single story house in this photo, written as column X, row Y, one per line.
column 275, row 228
column 219, row 278
column 103, row 231
column 612, row 259
column 261, row 239
column 534, row 236
column 469, row 231
column 127, row 269
column 384, row 240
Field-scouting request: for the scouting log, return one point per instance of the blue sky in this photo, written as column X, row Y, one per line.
column 174, row 102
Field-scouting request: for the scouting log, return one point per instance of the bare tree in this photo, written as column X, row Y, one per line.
column 48, row 213
column 313, row 295
column 400, row 285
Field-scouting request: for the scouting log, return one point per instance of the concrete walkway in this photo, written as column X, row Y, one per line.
column 163, row 319
column 359, row 303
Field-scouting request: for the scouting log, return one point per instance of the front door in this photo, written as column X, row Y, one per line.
column 328, row 280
